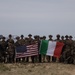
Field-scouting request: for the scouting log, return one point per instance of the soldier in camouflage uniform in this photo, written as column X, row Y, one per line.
column 40, row 56
column 30, row 39
column 22, row 42
column 54, row 59
column 62, row 39
column 17, row 43
column 34, row 57
column 1, row 53
column 10, row 39
column 67, row 50
column 73, row 52
column 4, row 46
column 29, row 43
column 26, row 41
column 0, row 50
column 44, row 56
column 61, row 59
column 49, row 57
column 10, row 52
column 11, row 55
column 71, row 44
column 36, row 40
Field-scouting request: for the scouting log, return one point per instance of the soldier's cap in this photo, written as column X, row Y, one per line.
column 62, row 36
column 22, row 35
column 44, row 36
column 50, row 36
column 70, row 36
column 29, row 35
column 3, row 37
column 10, row 35
column 35, row 36
column 66, row 36
column 57, row 35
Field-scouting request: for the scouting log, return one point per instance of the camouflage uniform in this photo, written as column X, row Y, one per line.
column 30, row 39
column 0, row 53
column 71, row 44
column 73, row 52
column 10, row 52
column 68, row 50
column 17, row 43
column 1, row 49
column 26, row 41
column 4, row 46
column 10, row 49
column 22, row 40
column 10, row 39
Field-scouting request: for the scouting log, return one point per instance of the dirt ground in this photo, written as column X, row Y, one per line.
column 37, row 69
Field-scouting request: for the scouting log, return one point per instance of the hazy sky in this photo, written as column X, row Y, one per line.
column 41, row 17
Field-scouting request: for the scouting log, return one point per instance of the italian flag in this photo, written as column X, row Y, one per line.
column 51, row 48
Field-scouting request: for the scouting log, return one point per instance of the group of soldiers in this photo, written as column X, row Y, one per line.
column 7, row 49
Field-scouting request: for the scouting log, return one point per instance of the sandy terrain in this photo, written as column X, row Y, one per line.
column 37, row 69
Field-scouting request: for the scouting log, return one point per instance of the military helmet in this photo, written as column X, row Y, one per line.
column 50, row 36
column 35, row 36
column 3, row 37
column 66, row 36
column 22, row 35
column 57, row 35
column 62, row 36
column 10, row 35
column 44, row 36
column 70, row 36
column 29, row 35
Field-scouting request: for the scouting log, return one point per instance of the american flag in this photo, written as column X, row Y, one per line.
column 30, row 50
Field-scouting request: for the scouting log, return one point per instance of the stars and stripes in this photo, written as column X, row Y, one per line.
column 29, row 50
